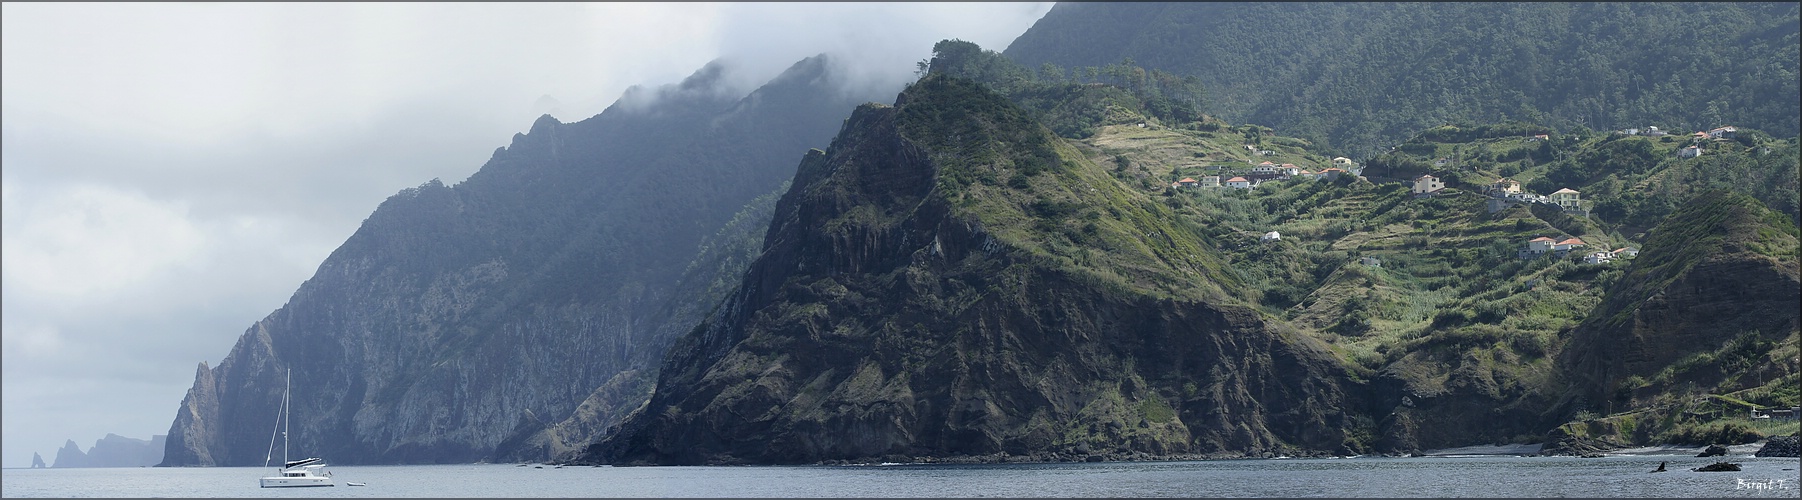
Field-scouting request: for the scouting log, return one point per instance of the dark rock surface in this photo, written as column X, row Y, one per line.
column 1713, row 450
column 884, row 319
column 1781, row 446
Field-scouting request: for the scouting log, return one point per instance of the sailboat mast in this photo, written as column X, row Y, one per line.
column 285, row 394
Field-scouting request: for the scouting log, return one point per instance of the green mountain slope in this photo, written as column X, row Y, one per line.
column 1358, row 77
column 951, row 281
column 871, row 330
column 1708, row 309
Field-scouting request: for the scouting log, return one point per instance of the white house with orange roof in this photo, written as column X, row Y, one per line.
column 1427, row 184
column 1265, row 168
column 1726, row 132
column 1690, row 152
column 1540, row 245
column 1567, row 245
column 1238, row 183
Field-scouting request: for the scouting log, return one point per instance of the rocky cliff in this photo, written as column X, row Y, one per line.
column 921, row 293
column 516, row 311
column 110, row 451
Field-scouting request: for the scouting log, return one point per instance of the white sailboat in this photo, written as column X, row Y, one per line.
column 294, row 473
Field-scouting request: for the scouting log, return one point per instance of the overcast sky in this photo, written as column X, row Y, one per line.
column 173, row 172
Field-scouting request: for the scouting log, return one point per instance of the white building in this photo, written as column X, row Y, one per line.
column 1427, row 184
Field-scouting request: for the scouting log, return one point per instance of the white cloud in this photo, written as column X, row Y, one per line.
column 87, row 240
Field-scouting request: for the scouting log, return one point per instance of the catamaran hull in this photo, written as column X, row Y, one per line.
column 296, row 482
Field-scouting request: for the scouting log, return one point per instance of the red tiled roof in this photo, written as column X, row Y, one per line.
column 1188, row 179
column 1572, row 241
column 1265, row 163
column 1541, row 238
column 1236, row 179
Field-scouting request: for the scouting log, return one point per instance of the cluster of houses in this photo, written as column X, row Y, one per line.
column 1269, row 171
column 1543, row 245
column 1505, row 191
column 1719, row 134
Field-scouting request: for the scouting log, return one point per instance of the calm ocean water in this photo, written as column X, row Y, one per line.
column 1482, row 476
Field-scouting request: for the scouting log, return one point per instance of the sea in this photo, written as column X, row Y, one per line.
column 1618, row 475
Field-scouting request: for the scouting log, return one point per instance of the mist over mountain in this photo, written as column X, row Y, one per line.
column 541, row 289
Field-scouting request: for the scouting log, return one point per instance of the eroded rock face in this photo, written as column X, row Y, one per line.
column 513, row 314
column 883, row 320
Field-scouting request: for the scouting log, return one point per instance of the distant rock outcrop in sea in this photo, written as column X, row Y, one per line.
column 110, row 451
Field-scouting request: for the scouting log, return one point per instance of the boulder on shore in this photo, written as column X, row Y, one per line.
column 1714, row 450
column 1781, row 446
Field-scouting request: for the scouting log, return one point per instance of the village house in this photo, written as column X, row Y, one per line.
column 1689, row 152
column 1264, row 168
column 1598, row 258
column 1210, row 181
column 1238, row 183
column 1505, row 186
column 1628, row 252
column 1289, row 169
column 1567, row 245
column 1540, row 245
column 1540, row 137
column 1331, row 173
column 1370, row 261
column 1271, row 236
column 1426, row 184
column 1186, row 182
column 1343, row 162
column 1309, row 174
column 1653, row 131
column 1727, row 132
column 1567, row 199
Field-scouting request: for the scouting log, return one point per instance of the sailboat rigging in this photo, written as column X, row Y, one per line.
column 294, row 473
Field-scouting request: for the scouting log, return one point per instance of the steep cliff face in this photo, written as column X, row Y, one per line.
column 1701, row 310
column 915, row 300
column 544, row 288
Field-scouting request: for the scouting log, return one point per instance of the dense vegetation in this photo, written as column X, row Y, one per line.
column 1357, row 77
